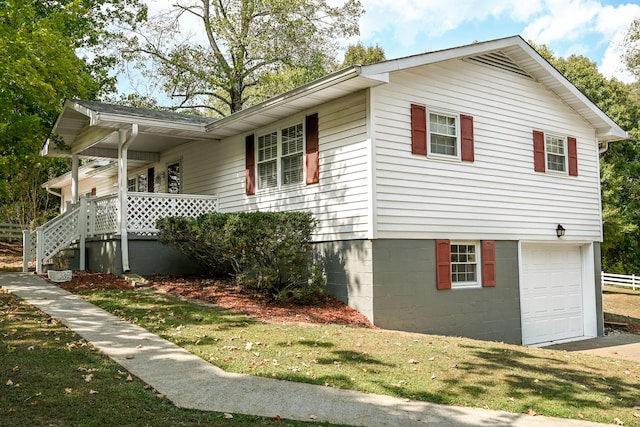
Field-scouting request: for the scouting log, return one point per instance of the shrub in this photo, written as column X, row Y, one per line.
column 269, row 251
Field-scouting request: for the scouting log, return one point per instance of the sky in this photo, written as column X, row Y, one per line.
column 591, row 28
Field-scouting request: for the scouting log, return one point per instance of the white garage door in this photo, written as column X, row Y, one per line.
column 551, row 293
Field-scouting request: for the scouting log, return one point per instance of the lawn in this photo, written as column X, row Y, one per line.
column 51, row 377
column 448, row 370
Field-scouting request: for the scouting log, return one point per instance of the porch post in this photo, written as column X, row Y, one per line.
column 26, row 250
column 123, row 146
column 74, row 178
column 82, row 224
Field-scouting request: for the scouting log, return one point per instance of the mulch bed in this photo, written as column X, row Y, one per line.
column 225, row 293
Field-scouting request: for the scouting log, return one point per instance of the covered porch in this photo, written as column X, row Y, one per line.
column 121, row 181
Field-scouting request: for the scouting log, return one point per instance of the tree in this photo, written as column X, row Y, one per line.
column 359, row 55
column 244, row 49
column 39, row 68
column 631, row 43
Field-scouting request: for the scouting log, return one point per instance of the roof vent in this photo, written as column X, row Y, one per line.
column 501, row 61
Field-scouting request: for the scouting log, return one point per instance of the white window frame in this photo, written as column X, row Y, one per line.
column 279, row 158
column 478, row 263
column 132, row 184
column 565, row 155
column 449, row 114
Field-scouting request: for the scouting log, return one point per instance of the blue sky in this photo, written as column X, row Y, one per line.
column 585, row 27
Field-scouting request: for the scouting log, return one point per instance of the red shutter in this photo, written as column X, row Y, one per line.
column 312, row 158
column 466, row 130
column 418, row 129
column 488, row 263
column 250, row 165
column 539, row 161
column 573, row 156
column 443, row 264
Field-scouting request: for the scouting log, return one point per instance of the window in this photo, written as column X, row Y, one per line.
column 173, row 178
column 465, row 264
column 450, row 135
column 443, row 134
column 280, row 155
column 132, row 184
column 556, row 153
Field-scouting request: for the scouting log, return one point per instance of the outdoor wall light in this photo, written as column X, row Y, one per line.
column 560, row 231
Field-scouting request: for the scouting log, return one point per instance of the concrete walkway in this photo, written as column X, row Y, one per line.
column 618, row 346
column 190, row 382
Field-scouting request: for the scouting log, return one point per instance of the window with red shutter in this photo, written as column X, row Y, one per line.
column 488, row 263
column 443, row 264
column 539, row 159
column 250, row 165
column 312, row 150
column 466, row 143
column 572, row 150
column 418, row 129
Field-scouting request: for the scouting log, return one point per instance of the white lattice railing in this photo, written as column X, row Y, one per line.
column 144, row 209
column 100, row 215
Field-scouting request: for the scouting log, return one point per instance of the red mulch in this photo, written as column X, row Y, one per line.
column 225, row 293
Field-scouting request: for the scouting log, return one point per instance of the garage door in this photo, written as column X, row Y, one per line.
column 551, row 293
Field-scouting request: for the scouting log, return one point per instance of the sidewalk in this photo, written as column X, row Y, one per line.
column 190, row 382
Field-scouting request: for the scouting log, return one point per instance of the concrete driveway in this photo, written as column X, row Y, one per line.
column 619, row 346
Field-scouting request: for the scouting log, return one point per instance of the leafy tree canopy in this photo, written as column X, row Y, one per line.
column 39, row 68
column 357, row 54
column 242, row 50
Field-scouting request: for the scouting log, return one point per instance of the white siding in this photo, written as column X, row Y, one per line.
column 339, row 201
column 499, row 196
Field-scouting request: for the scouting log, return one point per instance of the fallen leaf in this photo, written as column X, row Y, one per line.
column 636, row 414
column 531, row 412
column 228, row 415
column 93, row 392
column 431, row 359
column 129, row 378
column 147, row 387
column 413, row 361
column 277, row 418
column 68, row 390
column 88, row 378
column 35, row 403
column 16, row 369
column 618, row 421
column 161, row 395
column 249, row 346
column 9, row 383
column 129, row 356
column 313, row 417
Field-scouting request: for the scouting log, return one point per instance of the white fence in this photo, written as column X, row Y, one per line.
column 630, row 281
column 10, row 232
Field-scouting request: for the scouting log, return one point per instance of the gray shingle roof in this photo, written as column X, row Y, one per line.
column 146, row 113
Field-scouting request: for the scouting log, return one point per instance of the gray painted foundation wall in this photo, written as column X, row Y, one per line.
column 393, row 283
column 147, row 256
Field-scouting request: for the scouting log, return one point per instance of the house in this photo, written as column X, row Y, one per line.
column 457, row 191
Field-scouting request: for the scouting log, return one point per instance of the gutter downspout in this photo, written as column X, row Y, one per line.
column 74, row 179
column 123, row 146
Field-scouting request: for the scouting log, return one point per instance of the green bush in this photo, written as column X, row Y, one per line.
column 269, row 251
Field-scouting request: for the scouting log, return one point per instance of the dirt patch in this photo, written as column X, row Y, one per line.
column 11, row 257
column 622, row 306
column 225, row 293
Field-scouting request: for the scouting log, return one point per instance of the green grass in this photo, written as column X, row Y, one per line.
column 453, row 371
column 44, row 368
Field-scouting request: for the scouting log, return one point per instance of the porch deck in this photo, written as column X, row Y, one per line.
column 101, row 216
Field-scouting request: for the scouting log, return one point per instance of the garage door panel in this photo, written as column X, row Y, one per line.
column 551, row 293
